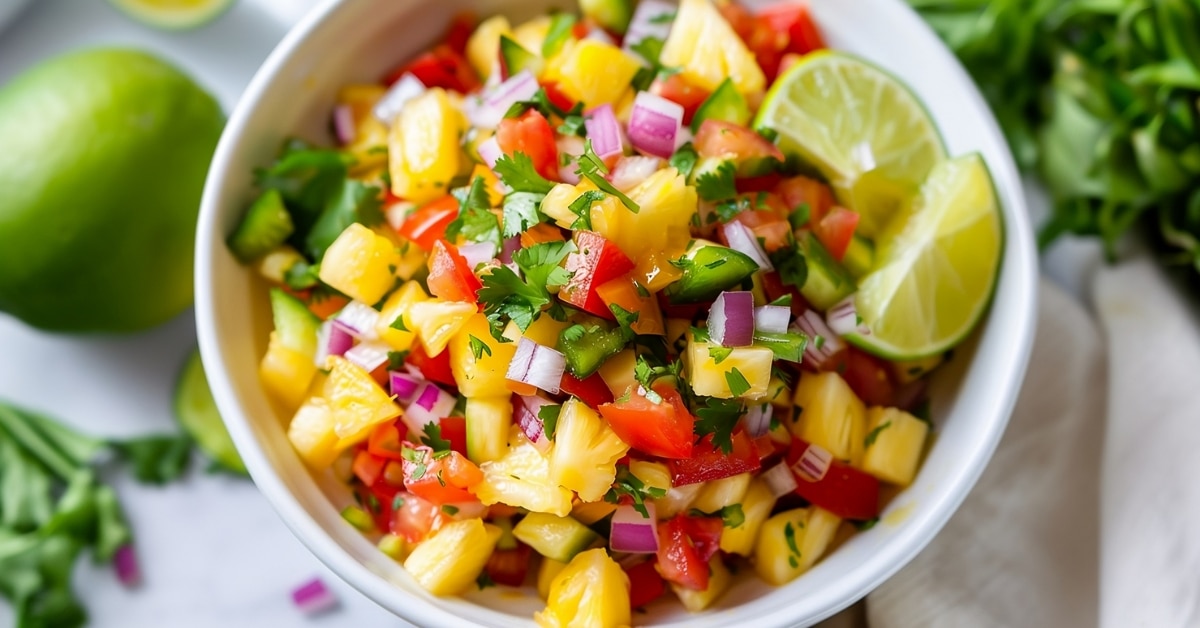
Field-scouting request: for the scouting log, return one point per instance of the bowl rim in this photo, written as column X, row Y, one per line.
column 1020, row 260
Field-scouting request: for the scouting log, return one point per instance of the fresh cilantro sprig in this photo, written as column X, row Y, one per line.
column 521, row 212
column 518, row 173
column 549, row 417
column 433, row 437
column 475, row 221
column 629, row 485
column 732, row 515
column 717, row 417
column 506, row 296
column 582, row 208
column 684, row 159
column 717, row 184
column 592, row 168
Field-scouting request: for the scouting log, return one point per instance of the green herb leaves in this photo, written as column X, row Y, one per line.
column 592, row 168
column 505, row 295
column 518, row 173
column 628, row 484
column 718, row 417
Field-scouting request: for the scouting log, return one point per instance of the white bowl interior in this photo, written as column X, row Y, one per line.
column 355, row 40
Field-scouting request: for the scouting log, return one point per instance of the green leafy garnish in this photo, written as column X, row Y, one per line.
column 479, row 348
column 521, row 212
column 718, row 417
column 592, row 168
column 870, row 439
column 505, row 295
column 791, row 265
column 398, row 324
column 518, row 173
column 449, row 509
column 663, row 18
column 718, row 184
column 787, row 346
column 475, row 221
column 629, row 485
column 799, row 217
column 549, row 417
column 789, row 535
column 684, row 160
column 718, row 354
column 157, row 459
column 582, row 207
column 561, row 26
column 484, row 581
column 731, row 515
column 738, row 385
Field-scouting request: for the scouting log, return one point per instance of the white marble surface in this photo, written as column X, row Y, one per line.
column 213, row 552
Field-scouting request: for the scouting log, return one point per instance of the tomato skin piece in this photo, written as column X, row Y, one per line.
column 710, row 463
column 626, row 293
column 441, row 479
column 844, row 491
column 454, row 429
column 530, row 134
column 427, row 224
column 705, row 533
column 591, row 390
column 645, row 585
column 435, row 369
column 384, row 440
column 415, row 518
column 678, row 560
column 441, row 67
column 556, row 96
column 659, row 429
column 368, row 467
column 450, row 276
column 869, row 377
column 836, row 229
column 678, row 90
column 718, row 138
column 596, row 262
column 773, row 228
column 795, row 20
column 509, row 567
column 802, row 190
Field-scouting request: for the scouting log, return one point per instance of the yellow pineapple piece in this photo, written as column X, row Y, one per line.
column 661, row 225
column 482, row 376
column 359, row 264
column 704, row 44
column 424, row 153
column 545, row 331
column 286, row 373
column 532, row 33
column 522, row 479
column 830, row 416
column 274, row 265
column 652, row 474
column 588, row 513
column 895, row 440
column 396, row 306
column 547, row 572
column 488, row 422
column 356, row 401
column 719, row 581
column 591, row 591
column 436, row 321
column 756, row 507
column 617, row 372
column 585, row 452
column 449, row 561
column 820, row 529
column 595, row 73
column 370, row 134
column 711, row 379
column 311, row 433
column 718, row 494
column 483, row 47
column 778, row 551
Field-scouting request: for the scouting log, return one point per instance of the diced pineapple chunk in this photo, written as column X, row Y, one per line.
column 547, row 572
column 661, row 225
column 436, row 321
column 356, row 401
column 596, row 73
column 412, row 261
column 522, row 479
column 591, row 591
column 677, row 500
column 588, row 513
column 655, row 271
column 556, row 202
column 395, row 307
column 285, row 373
column 777, row 554
column 275, row 265
column 711, row 379
column 897, row 439
column 483, row 48
column 718, row 494
column 617, row 372
column 585, row 452
column 821, row 528
column 830, row 416
column 704, row 44
column 359, row 264
column 532, row 33
column 545, row 331
column 369, row 133
column 424, row 153
column 311, row 433
column 778, row 393
column 756, row 506
column 652, row 474
column 449, row 561
column 488, row 422
column 719, row 581
column 482, row 375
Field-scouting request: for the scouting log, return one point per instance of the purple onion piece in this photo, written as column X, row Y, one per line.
column 731, row 320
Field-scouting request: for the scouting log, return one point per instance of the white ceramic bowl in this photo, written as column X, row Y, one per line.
column 348, row 40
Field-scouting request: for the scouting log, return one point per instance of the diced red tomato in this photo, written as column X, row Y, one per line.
column 596, row 262
column 427, row 224
column 870, row 378
column 459, row 31
column 765, row 42
column 454, row 429
column 773, row 229
column 708, row 462
column 836, row 229
column 556, row 96
column 705, row 533
column 659, row 429
column 678, row 90
column 509, row 567
column 450, row 276
column 530, row 134
column 718, row 138
column 385, row 439
column 645, row 585
column 794, row 19
column 416, row 517
column 626, row 293
column 764, row 183
column 436, row 368
column 591, row 390
column 378, row 502
column 844, row 491
column 443, row 478
column 368, row 467
column 678, row 559
column 801, row 190
column 441, row 67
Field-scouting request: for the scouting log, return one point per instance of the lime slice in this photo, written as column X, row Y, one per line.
column 936, row 267
column 848, row 118
column 173, row 14
column 197, row 413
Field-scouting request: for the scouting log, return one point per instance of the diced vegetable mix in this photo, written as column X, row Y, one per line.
column 552, row 297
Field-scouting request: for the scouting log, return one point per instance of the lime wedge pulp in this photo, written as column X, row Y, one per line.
column 197, row 413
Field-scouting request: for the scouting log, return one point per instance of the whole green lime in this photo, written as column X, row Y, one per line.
column 103, row 155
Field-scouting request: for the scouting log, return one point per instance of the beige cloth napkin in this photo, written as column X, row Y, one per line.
column 1089, row 513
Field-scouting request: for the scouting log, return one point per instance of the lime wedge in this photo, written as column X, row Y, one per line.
column 847, row 118
column 173, row 14
column 197, row 413
column 936, row 267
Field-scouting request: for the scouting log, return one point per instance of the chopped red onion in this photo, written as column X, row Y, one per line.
column 343, row 124
column 772, row 319
column 822, row 343
column 843, row 318
column 631, row 170
column 537, row 365
column 360, row 320
column 570, row 147
column 633, row 532
column 813, row 464
column 525, row 413
column 652, row 18
column 313, row 597
column 403, row 386
column 511, row 245
column 125, row 563
column 333, row 338
column 488, row 110
column 654, row 124
column 684, row 136
column 369, row 355
column 429, row 405
column 757, row 419
column 605, row 132
column 779, row 479
column 477, row 253
column 398, row 95
column 489, row 151
column 731, row 319
column 742, row 239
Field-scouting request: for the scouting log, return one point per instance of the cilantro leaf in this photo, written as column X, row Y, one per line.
column 157, row 459
column 549, row 417
column 505, row 295
column 433, row 438
column 582, row 207
column 353, row 202
column 738, row 385
column 791, row 264
column 398, row 324
column 484, row 581
column 787, row 346
column 718, row 184
column 684, row 159
column 479, row 348
column 592, row 168
column 573, row 124
column 799, row 217
column 732, row 515
column 521, row 212
column 561, row 26
column 475, row 221
column 625, row 319
column 650, row 49
column 718, row 417
column 663, row 18
column 518, row 173
column 870, row 439
column 628, row 484
column 718, row 354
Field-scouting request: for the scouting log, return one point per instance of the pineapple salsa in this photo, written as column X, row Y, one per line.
column 616, row 302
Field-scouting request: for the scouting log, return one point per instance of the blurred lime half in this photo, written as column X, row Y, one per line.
column 197, row 413
column 173, row 14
